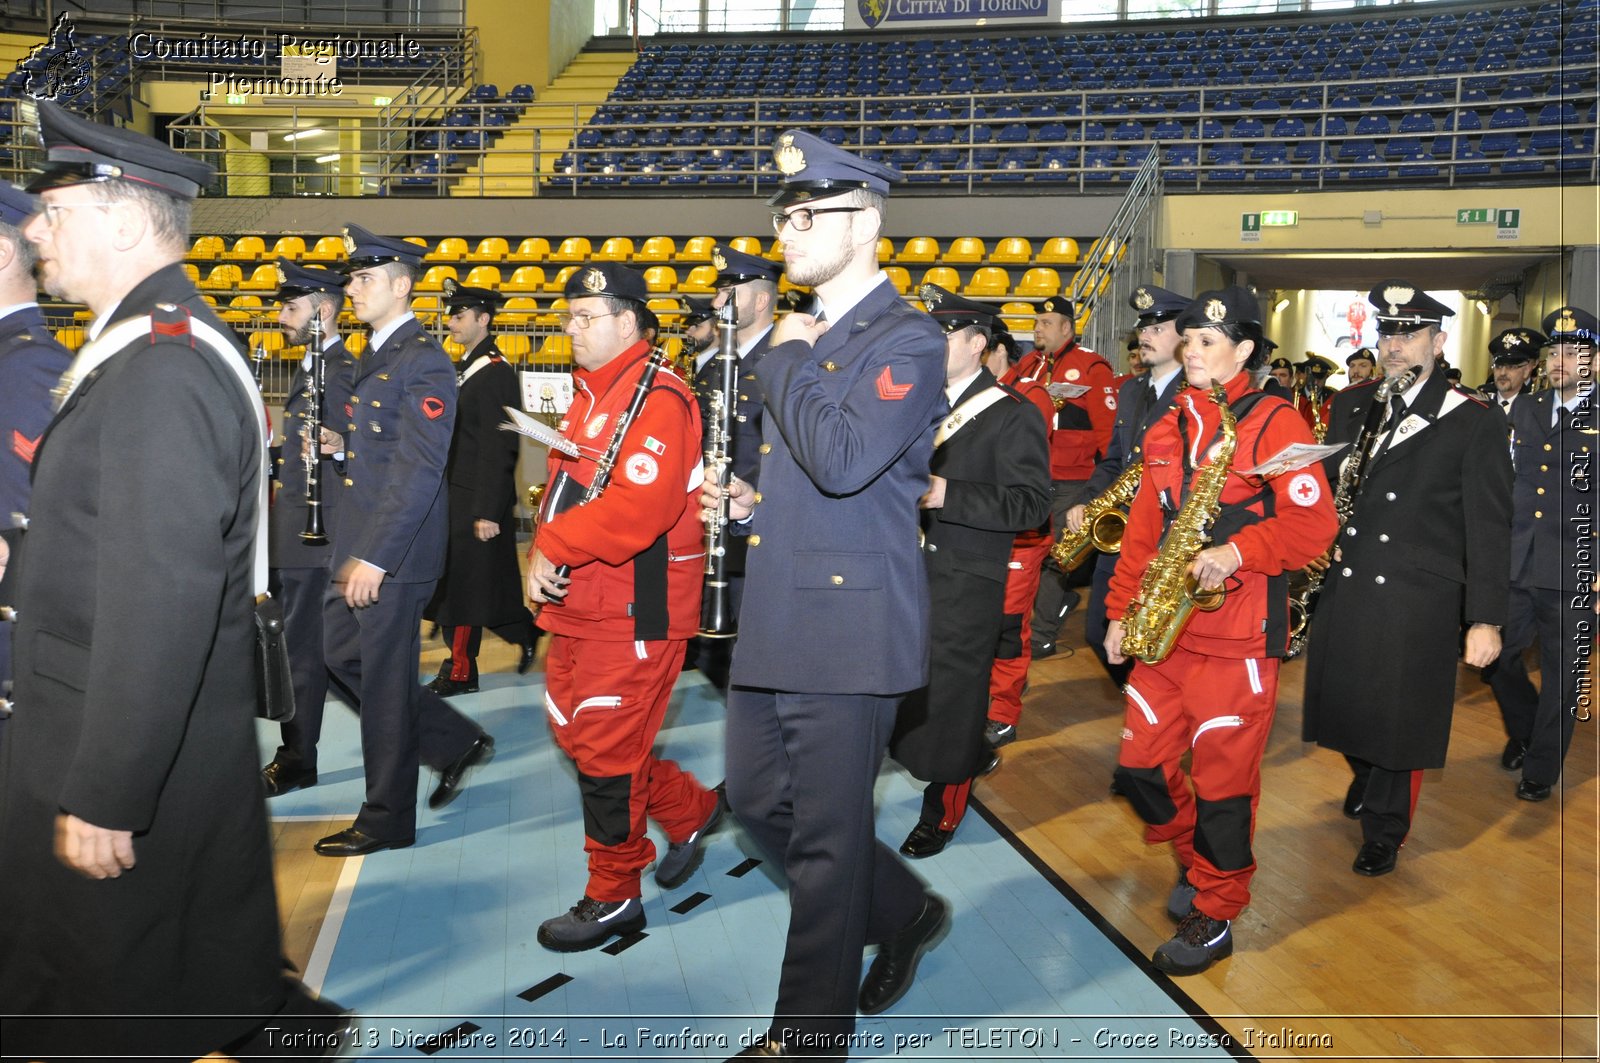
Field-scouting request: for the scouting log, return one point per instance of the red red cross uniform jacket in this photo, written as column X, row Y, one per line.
column 1082, row 425
column 637, row 551
column 1270, row 539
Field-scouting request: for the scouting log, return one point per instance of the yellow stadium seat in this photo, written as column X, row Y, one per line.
column 899, row 278
column 292, row 248
column 919, row 249
column 1012, row 251
column 419, row 241
column 1106, row 251
column 1039, row 282
column 572, row 249
column 326, row 249
column 533, row 249
column 241, row 309
column 661, row 249
column 450, row 249
column 192, row 271
column 70, row 338
column 1059, row 251
column 556, row 349
column 263, row 279
column 433, row 280
column 205, row 249
column 489, row 249
column 524, row 279
column 661, row 279
column 695, row 249
column 748, row 244
column 701, row 280
column 427, row 307
column 517, row 310
column 615, row 249
column 944, row 276
column 667, row 311
column 966, row 251
column 516, row 346
column 775, row 252
column 885, row 249
column 453, row 349
column 356, row 342
column 1017, row 316
column 246, row 249
column 988, row 281
column 267, row 341
column 551, row 318
column 558, row 283
column 673, row 345
column 483, row 277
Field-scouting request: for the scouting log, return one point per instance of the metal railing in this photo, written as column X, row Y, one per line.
column 1118, row 262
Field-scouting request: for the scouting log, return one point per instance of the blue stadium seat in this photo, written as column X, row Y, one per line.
column 1373, row 125
column 1421, row 165
column 1289, row 128
column 1417, row 122
column 1521, row 161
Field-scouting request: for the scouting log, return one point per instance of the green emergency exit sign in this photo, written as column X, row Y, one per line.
column 1481, row 216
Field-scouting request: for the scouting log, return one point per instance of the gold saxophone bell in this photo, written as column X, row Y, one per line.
column 535, row 496
column 1107, row 530
column 1204, row 600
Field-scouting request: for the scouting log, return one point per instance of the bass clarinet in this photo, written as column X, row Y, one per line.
column 314, row 533
column 716, row 608
column 1303, row 604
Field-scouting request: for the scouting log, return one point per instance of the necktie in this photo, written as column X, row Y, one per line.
column 1397, row 413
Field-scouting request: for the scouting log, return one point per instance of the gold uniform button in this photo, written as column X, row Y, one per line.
column 1544, row 468
column 757, row 497
column 766, row 448
column 1547, row 446
column 349, row 482
column 1538, row 513
column 375, row 404
column 355, row 398
column 755, row 540
column 277, row 485
column 1540, row 491
column 383, row 376
column 832, row 367
column 838, row 581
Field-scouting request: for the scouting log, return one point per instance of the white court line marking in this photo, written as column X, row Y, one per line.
column 338, row 906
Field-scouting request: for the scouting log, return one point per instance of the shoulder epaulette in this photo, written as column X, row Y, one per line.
column 169, row 321
column 1470, row 395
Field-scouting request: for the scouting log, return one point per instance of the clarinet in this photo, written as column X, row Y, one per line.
column 314, row 534
column 716, row 620
column 602, row 470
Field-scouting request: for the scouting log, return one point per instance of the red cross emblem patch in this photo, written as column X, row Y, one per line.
column 1304, row 490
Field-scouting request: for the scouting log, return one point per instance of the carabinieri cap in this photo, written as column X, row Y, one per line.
column 460, row 297
column 1403, row 308
column 953, row 312
column 80, row 151
column 1515, row 346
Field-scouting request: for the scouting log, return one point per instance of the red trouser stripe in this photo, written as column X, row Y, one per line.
column 955, row 804
column 461, row 653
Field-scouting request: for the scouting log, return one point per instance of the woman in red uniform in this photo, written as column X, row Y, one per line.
column 1215, row 694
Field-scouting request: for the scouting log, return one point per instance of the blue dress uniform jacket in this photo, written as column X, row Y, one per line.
column 1424, row 554
column 997, row 468
column 482, row 584
column 835, row 572
column 31, row 364
column 136, row 705
column 1136, row 412
column 285, row 547
column 402, row 411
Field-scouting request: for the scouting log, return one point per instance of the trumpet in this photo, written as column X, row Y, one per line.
column 1104, row 521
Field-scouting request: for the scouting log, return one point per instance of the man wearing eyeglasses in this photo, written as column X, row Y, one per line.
column 621, row 614
column 835, row 626
column 141, row 916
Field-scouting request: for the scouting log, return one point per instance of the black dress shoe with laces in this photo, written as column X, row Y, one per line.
column 925, row 839
column 525, row 658
column 896, row 963
column 1513, row 755
column 352, row 842
column 446, row 687
column 1532, row 791
column 1352, row 799
column 280, row 778
column 479, row 752
column 1375, row 858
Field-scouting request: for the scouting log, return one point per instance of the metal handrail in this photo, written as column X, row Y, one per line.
column 1125, row 250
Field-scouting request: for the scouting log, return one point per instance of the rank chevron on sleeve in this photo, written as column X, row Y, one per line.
column 888, row 390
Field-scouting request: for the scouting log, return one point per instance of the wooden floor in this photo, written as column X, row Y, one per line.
column 1482, row 945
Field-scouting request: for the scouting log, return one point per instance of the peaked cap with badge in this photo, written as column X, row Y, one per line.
column 367, row 249
column 1318, row 365
column 79, row 151
column 1514, row 346
column 953, row 312
column 814, row 169
column 1155, row 305
column 460, row 297
column 736, row 267
column 1403, row 308
column 295, row 280
column 1568, row 324
column 697, row 309
column 1359, row 354
column 1056, row 304
column 1233, row 305
column 610, row 279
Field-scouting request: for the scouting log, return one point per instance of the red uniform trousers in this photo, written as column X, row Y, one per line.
column 606, row 701
column 1010, row 670
column 1222, row 708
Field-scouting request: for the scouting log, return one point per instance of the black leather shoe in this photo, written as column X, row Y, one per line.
column 1374, row 859
column 525, row 660
column 479, row 752
column 925, row 839
column 896, row 963
column 1352, row 798
column 1532, row 791
column 351, row 842
column 446, row 687
column 1512, row 756
column 280, row 778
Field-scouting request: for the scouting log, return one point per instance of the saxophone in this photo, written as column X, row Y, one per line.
column 1304, row 602
column 1168, row 595
column 1104, row 521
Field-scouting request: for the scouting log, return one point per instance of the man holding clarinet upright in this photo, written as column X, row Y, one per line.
column 617, row 564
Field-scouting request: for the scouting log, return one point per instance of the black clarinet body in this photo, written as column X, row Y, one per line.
column 716, row 605
column 316, row 388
